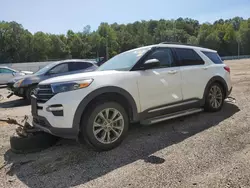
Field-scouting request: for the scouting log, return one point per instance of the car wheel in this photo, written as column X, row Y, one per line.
column 214, row 98
column 105, row 126
column 29, row 92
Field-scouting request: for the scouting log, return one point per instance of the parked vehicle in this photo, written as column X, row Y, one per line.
column 7, row 73
column 24, row 86
column 147, row 85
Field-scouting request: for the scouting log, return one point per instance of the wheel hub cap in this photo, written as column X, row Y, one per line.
column 108, row 125
column 215, row 96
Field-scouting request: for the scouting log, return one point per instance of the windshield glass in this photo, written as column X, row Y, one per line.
column 124, row 61
column 45, row 69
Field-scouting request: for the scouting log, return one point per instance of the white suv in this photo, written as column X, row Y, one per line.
column 147, row 85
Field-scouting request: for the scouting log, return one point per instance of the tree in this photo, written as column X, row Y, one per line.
column 19, row 45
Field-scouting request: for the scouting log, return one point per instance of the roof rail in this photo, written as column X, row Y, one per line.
column 180, row 44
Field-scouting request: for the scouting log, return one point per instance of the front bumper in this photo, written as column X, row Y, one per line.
column 17, row 91
column 57, row 122
column 43, row 124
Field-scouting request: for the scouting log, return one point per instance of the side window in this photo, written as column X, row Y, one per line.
column 164, row 55
column 75, row 66
column 62, row 68
column 214, row 57
column 6, row 71
column 188, row 57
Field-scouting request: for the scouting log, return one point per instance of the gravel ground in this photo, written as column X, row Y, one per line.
column 202, row 150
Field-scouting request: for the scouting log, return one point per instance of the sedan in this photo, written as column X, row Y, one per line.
column 7, row 73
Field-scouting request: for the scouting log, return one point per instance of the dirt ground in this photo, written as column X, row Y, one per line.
column 202, row 150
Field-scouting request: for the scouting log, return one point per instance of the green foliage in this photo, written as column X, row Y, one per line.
column 19, row 45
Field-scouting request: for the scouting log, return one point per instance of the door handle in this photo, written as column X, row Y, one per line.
column 205, row 68
column 172, row 72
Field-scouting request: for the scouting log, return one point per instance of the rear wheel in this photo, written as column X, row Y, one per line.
column 105, row 126
column 214, row 98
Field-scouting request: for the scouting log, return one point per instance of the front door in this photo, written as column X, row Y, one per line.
column 160, row 86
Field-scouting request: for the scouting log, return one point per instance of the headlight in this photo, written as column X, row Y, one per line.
column 18, row 83
column 69, row 86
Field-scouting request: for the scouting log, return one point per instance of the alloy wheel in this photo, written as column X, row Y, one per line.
column 108, row 125
column 215, row 96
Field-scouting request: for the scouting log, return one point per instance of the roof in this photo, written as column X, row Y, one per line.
column 175, row 45
column 78, row 60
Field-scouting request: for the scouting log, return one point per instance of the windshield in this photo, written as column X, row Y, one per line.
column 124, row 61
column 45, row 69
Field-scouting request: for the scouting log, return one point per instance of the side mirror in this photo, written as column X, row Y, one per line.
column 151, row 63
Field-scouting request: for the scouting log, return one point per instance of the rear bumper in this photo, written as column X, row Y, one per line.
column 43, row 124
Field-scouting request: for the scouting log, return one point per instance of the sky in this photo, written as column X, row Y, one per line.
column 58, row 16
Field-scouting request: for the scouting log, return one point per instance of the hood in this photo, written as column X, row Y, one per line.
column 81, row 76
column 28, row 79
column 27, row 72
column 16, row 78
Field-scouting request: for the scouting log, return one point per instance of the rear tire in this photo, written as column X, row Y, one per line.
column 214, row 98
column 104, row 126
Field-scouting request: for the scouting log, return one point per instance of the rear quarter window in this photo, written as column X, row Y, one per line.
column 214, row 57
column 75, row 66
column 188, row 57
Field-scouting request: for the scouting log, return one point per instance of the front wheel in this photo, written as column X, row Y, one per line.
column 105, row 126
column 214, row 98
column 30, row 92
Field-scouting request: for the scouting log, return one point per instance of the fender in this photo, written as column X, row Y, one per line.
column 215, row 79
column 109, row 89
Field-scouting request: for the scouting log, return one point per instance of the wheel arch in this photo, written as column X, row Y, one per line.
column 105, row 91
column 214, row 79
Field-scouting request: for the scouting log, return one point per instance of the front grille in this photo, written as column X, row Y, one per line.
column 44, row 93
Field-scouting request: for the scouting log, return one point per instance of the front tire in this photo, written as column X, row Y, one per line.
column 29, row 92
column 105, row 126
column 214, row 98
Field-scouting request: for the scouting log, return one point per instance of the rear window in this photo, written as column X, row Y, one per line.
column 188, row 57
column 75, row 66
column 214, row 57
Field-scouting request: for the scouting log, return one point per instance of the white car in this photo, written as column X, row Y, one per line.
column 147, row 85
column 7, row 74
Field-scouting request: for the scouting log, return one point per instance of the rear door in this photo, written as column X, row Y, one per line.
column 5, row 75
column 194, row 73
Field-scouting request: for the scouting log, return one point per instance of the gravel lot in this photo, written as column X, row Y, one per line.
column 203, row 150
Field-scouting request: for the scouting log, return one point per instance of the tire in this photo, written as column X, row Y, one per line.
column 120, row 126
column 211, row 106
column 33, row 143
column 29, row 91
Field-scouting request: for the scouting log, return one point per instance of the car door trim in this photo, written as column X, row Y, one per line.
column 170, row 108
column 174, row 105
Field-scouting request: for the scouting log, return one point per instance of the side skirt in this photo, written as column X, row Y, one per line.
column 171, row 116
column 171, row 108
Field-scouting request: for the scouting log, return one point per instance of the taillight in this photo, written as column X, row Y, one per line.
column 227, row 69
